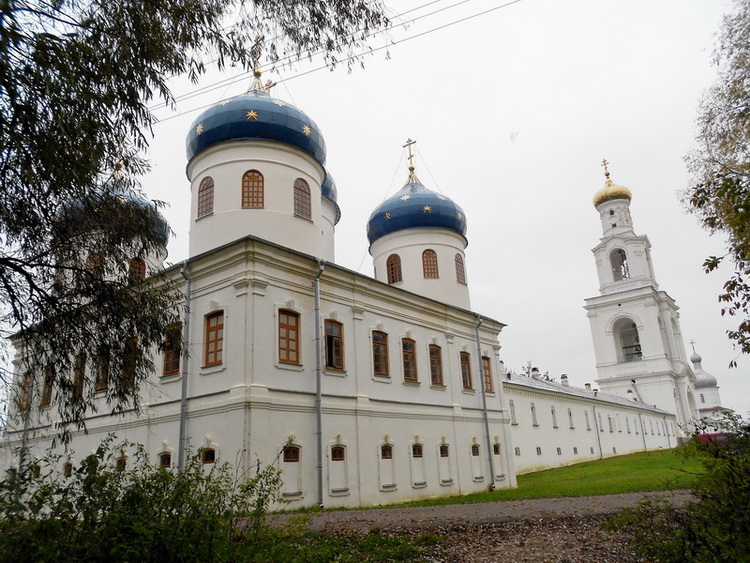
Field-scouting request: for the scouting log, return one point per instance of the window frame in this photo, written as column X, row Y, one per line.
column 393, row 269
column 213, row 335
column 460, row 268
column 302, row 199
column 409, row 360
column 464, row 359
column 283, row 343
column 334, row 345
column 417, row 451
column 380, row 354
column 172, row 354
column 386, row 451
column 430, row 269
column 338, row 453
column 253, row 190
column 205, row 203
column 444, row 450
column 291, row 454
column 487, row 374
column 436, row 364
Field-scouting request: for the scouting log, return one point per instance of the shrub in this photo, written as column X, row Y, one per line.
column 142, row 513
column 716, row 526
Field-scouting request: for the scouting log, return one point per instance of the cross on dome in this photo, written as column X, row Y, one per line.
column 412, row 179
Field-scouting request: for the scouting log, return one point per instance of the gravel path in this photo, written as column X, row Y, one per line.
column 562, row 530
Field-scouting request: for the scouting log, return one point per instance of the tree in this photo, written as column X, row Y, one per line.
column 76, row 81
column 721, row 165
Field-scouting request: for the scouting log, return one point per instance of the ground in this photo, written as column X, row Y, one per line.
column 550, row 530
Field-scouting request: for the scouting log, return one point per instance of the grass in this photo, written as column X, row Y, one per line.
column 646, row 471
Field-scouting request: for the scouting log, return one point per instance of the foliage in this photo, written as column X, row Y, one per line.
column 76, row 83
column 147, row 513
column 716, row 526
column 660, row 470
column 721, row 165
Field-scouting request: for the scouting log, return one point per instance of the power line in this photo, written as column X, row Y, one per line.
column 351, row 57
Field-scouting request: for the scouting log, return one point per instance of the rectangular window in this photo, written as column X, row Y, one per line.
column 436, row 365
column 386, row 452
column 49, row 381
column 213, row 355
column 554, row 417
column 416, row 450
column 288, row 337
column 334, row 345
column 570, row 419
column 487, row 373
column 443, row 450
column 337, row 453
column 380, row 353
column 172, row 349
column 409, row 359
column 101, row 375
column 465, row 358
column 512, row 407
column 79, row 375
column 533, row 415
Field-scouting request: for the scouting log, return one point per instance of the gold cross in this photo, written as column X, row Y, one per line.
column 409, row 143
column 606, row 170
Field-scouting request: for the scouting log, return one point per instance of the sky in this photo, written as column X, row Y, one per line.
column 513, row 111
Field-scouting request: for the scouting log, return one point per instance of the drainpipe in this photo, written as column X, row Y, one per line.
column 182, row 442
column 484, row 404
column 643, row 432
column 598, row 438
column 318, row 386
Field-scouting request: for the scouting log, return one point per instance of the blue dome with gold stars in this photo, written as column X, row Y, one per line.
column 415, row 206
column 256, row 116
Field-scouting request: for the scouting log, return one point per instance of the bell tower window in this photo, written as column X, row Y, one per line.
column 627, row 341
column 460, row 272
column 619, row 261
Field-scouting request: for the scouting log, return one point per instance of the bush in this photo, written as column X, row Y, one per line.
column 144, row 513
column 716, row 526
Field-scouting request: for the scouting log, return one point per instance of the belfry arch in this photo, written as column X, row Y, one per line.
column 627, row 340
column 618, row 259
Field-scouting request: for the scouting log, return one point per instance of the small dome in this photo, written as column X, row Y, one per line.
column 702, row 379
column 611, row 191
column 415, row 206
column 257, row 116
column 78, row 215
column 328, row 191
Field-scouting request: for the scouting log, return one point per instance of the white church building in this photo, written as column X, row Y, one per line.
column 364, row 390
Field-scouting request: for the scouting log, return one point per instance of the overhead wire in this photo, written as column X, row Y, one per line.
column 349, row 58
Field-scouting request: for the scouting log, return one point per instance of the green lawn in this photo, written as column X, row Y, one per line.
column 647, row 471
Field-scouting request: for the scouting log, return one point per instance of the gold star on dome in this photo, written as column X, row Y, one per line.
column 460, row 216
column 199, row 129
column 427, row 209
column 306, row 130
column 252, row 115
column 405, row 197
column 279, row 103
column 442, row 197
column 387, row 216
column 224, row 102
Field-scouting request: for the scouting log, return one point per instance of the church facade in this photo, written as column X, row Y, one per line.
column 365, row 390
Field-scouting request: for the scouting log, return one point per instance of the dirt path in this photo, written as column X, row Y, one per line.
column 480, row 513
column 555, row 530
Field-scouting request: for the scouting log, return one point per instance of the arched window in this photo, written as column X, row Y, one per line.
column 393, row 267
column 206, row 197
column 430, row 264
column 302, row 206
column 460, row 272
column 619, row 261
column 252, row 190
column 165, row 460
column 386, row 451
column 627, row 342
column 474, row 450
column 338, row 453
column 208, row 455
column 380, row 353
column 137, row 271
column 291, row 454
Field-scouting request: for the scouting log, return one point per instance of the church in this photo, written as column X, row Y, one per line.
column 375, row 390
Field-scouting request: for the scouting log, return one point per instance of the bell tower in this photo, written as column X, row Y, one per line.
column 635, row 326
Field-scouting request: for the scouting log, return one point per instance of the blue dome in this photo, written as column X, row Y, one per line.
column 78, row 215
column 414, row 206
column 328, row 191
column 256, row 115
